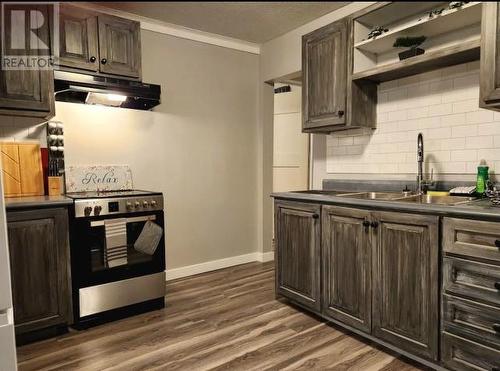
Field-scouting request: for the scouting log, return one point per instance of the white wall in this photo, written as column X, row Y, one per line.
column 198, row 147
column 283, row 55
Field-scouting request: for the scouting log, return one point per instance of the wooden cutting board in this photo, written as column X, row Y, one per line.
column 21, row 169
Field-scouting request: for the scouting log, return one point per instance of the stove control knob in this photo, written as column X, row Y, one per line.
column 97, row 210
column 153, row 203
column 145, row 204
column 137, row 204
column 87, row 210
column 128, row 205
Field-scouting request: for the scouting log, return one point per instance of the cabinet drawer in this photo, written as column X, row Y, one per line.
column 479, row 322
column 472, row 238
column 461, row 354
column 472, row 279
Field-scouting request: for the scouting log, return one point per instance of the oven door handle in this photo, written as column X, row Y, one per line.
column 100, row 223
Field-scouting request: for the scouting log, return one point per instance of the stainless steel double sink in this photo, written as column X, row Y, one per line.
column 397, row 196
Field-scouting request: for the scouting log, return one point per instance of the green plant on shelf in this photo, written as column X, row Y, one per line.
column 377, row 31
column 411, row 42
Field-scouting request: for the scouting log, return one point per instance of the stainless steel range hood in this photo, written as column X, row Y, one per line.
column 108, row 91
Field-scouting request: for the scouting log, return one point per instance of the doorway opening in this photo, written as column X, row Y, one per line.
column 291, row 147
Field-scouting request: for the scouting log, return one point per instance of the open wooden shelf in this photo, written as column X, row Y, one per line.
column 447, row 56
column 448, row 21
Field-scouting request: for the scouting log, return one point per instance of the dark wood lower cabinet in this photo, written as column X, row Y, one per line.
column 297, row 252
column 346, row 263
column 40, row 270
column 406, row 282
column 461, row 354
column 379, row 271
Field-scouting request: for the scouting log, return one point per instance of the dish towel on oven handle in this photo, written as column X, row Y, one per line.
column 115, row 253
column 150, row 237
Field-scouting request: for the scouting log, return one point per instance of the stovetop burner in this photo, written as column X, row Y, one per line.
column 109, row 194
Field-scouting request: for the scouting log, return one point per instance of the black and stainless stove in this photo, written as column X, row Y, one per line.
column 117, row 254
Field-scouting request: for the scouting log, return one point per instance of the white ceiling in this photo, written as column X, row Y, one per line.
column 256, row 22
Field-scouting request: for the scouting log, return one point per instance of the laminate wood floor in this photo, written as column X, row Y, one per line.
column 223, row 320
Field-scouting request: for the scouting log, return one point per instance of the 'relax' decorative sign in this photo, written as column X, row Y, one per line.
column 98, row 178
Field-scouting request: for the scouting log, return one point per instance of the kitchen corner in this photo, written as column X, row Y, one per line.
column 250, row 186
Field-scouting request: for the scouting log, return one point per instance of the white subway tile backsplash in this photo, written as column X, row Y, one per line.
column 468, row 105
column 440, row 109
column 439, row 133
column 453, row 120
column 478, row 117
column 464, row 155
column 487, row 154
column 492, row 128
column 441, row 104
column 397, row 115
column 479, row 142
column 464, row 131
column 450, row 144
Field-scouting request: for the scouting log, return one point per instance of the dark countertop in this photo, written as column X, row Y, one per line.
column 14, row 203
column 480, row 209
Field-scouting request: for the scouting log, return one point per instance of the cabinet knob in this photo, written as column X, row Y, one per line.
column 497, row 285
column 340, row 113
column 496, row 328
column 374, row 224
column 104, row 61
column 92, row 59
column 366, row 223
column 315, row 216
column 497, row 243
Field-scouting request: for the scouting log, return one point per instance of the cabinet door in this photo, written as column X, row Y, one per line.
column 78, row 44
column 324, row 76
column 39, row 261
column 405, row 279
column 27, row 92
column 119, row 46
column 346, row 259
column 297, row 249
column 490, row 60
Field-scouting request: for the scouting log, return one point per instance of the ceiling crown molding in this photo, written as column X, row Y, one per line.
column 176, row 30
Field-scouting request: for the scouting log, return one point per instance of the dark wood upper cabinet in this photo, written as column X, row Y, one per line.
column 27, row 92
column 324, row 76
column 39, row 261
column 406, row 282
column 119, row 46
column 297, row 249
column 98, row 43
column 331, row 101
column 346, row 259
column 490, row 60
column 78, row 41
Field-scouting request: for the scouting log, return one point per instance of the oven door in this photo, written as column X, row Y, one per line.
column 102, row 248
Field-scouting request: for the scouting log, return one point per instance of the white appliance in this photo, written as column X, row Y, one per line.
column 8, row 360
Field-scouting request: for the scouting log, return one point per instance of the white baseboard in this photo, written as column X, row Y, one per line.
column 265, row 256
column 213, row 265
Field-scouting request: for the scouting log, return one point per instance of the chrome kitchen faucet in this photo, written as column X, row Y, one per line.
column 421, row 183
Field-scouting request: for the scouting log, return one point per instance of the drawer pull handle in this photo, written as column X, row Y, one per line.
column 315, row 216
column 497, row 285
column 497, row 243
column 496, row 328
column 366, row 223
